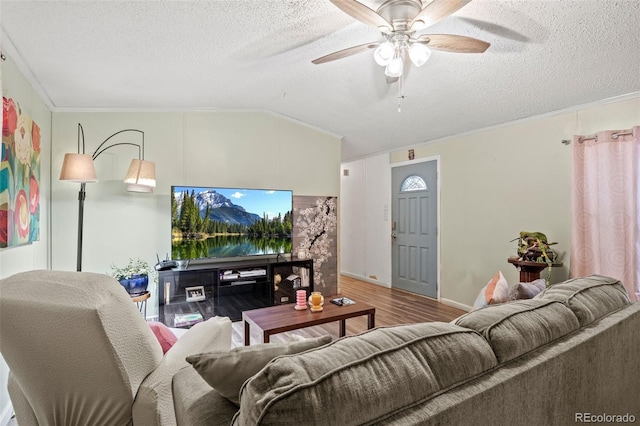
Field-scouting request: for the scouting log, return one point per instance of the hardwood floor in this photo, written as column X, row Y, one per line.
column 393, row 307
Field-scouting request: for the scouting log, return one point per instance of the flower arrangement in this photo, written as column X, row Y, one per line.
column 134, row 267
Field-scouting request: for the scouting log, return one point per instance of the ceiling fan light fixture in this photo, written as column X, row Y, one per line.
column 394, row 69
column 419, row 54
column 384, row 53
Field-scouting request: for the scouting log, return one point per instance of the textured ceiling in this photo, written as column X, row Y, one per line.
column 256, row 55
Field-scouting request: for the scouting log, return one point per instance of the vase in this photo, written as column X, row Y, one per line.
column 135, row 284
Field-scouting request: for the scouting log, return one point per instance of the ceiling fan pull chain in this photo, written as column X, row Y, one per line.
column 401, row 92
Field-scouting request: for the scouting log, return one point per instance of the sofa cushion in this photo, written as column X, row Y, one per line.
column 495, row 291
column 198, row 404
column 527, row 290
column 513, row 329
column 590, row 298
column 411, row 363
column 226, row 371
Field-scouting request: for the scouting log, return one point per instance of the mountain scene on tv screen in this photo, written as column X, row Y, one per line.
column 207, row 224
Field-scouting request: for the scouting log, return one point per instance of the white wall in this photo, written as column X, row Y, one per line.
column 494, row 184
column 252, row 149
column 352, row 221
column 365, row 219
column 35, row 255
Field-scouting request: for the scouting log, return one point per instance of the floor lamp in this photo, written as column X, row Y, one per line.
column 80, row 168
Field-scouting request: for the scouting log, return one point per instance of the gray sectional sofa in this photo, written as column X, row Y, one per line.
column 567, row 356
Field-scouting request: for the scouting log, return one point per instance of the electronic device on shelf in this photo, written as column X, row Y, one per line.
column 253, row 273
column 166, row 264
column 229, row 275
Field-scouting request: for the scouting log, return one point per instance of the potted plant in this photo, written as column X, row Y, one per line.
column 135, row 276
column 534, row 251
column 534, row 247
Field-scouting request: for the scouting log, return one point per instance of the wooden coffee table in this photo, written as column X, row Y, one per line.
column 281, row 318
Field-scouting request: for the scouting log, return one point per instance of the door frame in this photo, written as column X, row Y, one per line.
column 435, row 158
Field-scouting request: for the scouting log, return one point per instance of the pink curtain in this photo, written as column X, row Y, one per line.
column 606, row 207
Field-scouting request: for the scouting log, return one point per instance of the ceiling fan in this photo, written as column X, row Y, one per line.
column 398, row 22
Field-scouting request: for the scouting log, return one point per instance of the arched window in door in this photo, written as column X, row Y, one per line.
column 413, row 183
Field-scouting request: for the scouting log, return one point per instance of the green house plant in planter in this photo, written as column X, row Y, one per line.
column 135, row 276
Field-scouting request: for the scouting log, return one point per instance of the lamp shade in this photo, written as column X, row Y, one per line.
column 141, row 172
column 419, row 54
column 394, row 69
column 138, row 188
column 384, row 53
column 78, row 168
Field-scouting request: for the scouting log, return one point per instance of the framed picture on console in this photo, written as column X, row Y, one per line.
column 194, row 294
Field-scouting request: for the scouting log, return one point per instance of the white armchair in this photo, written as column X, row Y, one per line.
column 80, row 353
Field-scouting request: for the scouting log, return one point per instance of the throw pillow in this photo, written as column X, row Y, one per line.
column 227, row 371
column 527, row 290
column 496, row 291
column 165, row 336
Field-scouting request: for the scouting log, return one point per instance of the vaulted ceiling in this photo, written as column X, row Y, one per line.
column 230, row 55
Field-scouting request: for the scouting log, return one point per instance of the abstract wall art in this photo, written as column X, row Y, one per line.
column 19, row 177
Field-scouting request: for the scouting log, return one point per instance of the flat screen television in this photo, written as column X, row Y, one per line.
column 211, row 222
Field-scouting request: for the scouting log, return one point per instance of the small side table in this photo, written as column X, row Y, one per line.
column 530, row 271
column 141, row 302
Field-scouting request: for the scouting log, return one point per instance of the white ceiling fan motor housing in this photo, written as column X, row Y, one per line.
column 400, row 13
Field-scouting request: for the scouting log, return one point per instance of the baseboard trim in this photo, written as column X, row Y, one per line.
column 366, row 279
column 455, row 304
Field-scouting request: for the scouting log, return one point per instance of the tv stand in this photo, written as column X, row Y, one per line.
column 228, row 288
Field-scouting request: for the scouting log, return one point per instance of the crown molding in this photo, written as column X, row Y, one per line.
column 11, row 51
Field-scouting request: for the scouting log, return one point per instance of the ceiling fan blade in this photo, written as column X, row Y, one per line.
column 346, row 52
column 363, row 14
column 437, row 11
column 453, row 43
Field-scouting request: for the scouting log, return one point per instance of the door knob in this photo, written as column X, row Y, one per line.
column 394, row 235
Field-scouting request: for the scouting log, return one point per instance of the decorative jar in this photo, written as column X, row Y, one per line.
column 316, row 300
